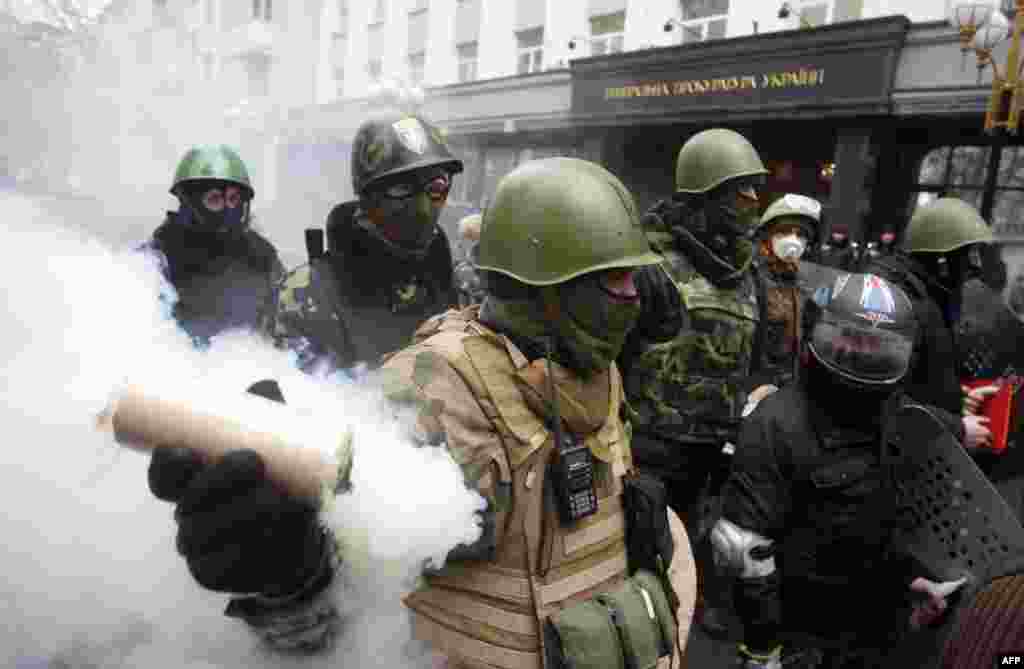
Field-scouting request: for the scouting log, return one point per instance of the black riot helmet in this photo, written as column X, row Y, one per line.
column 391, row 144
column 861, row 329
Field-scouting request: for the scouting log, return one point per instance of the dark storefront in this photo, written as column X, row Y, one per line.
column 812, row 101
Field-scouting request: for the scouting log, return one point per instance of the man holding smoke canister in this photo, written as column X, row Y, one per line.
column 579, row 559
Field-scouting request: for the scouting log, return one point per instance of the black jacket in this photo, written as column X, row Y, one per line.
column 934, row 375
column 361, row 301
column 223, row 282
column 815, row 488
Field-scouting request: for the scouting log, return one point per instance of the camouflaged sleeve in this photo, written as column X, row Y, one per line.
column 446, row 411
column 296, row 318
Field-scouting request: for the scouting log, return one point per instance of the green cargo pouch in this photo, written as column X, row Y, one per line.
column 626, row 628
column 582, row 636
column 636, row 617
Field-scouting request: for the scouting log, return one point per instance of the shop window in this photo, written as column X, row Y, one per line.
column 342, row 28
column 380, row 12
column 531, row 50
column 703, row 20
column 963, row 172
column 607, row 33
column 466, row 186
column 262, row 10
column 375, row 68
column 339, row 54
column 467, row 61
column 417, row 67
column 1008, row 209
column 206, row 67
column 258, row 71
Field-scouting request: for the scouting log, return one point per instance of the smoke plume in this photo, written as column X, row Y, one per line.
column 91, row 577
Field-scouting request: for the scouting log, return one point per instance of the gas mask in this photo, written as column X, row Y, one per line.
column 404, row 214
column 219, row 208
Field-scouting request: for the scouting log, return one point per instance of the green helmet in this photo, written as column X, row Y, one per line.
column 945, row 225
column 714, row 156
column 802, row 210
column 393, row 143
column 555, row 219
column 212, row 162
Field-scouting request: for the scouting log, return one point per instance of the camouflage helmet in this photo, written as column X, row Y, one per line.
column 945, row 225
column 392, row 143
column 555, row 219
column 714, row 156
column 212, row 161
column 799, row 209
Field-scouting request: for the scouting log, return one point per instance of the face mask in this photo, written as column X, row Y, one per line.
column 408, row 222
column 788, row 247
column 594, row 325
column 220, row 220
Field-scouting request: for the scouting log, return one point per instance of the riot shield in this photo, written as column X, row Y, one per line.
column 951, row 519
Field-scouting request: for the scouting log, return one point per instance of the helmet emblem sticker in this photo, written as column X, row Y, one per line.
column 411, row 134
column 876, row 296
column 374, row 154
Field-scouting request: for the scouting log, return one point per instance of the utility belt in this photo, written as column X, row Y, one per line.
column 633, row 624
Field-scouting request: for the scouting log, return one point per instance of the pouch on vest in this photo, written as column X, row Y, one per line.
column 626, row 628
column 649, row 542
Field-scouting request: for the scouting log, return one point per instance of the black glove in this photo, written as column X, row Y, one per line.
column 238, row 531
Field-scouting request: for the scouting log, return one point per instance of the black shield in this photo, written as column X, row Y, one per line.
column 951, row 519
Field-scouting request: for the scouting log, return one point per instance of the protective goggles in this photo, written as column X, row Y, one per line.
column 216, row 199
column 437, row 187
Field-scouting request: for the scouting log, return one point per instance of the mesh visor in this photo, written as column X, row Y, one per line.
column 861, row 351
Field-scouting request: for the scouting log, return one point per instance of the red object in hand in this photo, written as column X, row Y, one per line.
column 997, row 408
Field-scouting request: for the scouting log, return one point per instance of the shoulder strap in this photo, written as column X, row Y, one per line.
column 324, row 280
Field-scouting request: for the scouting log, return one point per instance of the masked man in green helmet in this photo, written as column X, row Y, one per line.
column 388, row 265
column 223, row 270
column 689, row 392
column 939, row 254
column 576, row 563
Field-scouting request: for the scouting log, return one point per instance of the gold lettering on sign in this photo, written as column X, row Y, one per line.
column 801, row 77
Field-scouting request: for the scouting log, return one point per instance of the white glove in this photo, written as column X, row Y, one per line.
column 974, row 399
column 931, row 609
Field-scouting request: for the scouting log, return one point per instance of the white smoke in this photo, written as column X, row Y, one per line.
column 91, row 577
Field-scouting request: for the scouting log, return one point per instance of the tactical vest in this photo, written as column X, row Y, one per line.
column 696, row 379
column 488, row 614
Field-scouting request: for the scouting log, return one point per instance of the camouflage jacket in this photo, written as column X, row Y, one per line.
column 222, row 283
column 359, row 302
column 693, row 387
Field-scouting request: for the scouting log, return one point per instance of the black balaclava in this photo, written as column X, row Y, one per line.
column 946, row 274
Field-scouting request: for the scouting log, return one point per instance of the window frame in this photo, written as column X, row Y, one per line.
column 464, row 61
column 985, row 193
